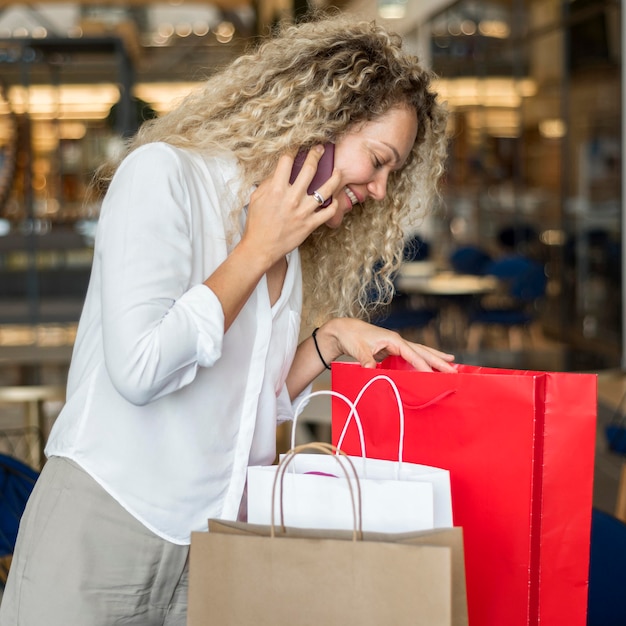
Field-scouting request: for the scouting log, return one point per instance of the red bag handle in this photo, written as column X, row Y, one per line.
column 441, row 396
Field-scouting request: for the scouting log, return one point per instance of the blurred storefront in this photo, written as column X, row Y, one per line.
column 536, row 150
column 75, row 79
column 534, row 87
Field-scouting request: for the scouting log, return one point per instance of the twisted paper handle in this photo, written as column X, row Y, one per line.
column 326, row 448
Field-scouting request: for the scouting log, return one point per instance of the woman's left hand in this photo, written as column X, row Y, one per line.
column 370, row 344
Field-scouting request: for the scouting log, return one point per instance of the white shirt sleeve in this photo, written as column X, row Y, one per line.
column 286, row 408
column 156, row 332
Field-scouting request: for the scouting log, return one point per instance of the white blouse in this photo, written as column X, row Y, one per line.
column 164, row 409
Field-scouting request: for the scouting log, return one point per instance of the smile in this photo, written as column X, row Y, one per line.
column 353, row 199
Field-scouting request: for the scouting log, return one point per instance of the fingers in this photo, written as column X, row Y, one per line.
column 429, row 363
column 432, row 353
column 300, row 169
column 310, row 164
column 424, row 358
column 330, row 187
column 319, row 197
column 281, row 215
column 369, row 344
column 311, row 169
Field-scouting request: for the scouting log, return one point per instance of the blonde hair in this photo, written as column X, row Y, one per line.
column 311, row 83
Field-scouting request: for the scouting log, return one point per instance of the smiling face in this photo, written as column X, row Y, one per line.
column 366, row 156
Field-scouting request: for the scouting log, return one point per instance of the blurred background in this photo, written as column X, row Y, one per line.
column 518, row 264
column 534, row 88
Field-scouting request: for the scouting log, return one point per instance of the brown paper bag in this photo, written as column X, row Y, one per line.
column 242, row 575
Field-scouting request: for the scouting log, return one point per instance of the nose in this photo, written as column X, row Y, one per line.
column 377, row 187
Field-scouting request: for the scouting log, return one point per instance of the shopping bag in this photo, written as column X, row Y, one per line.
column 242, row 574
column 520, row 449
column 397, row 496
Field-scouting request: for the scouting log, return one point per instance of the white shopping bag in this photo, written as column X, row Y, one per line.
column 396, row 496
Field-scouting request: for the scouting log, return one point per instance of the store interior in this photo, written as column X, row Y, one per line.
column 534, row 170
column 534, row 162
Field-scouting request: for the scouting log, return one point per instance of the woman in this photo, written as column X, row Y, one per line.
column 187, row 350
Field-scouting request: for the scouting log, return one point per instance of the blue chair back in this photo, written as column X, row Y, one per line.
column 16, row 483
column 416, row 249
column 607, row 571
column 517, row 234
column 526, row 278
column 470, row 260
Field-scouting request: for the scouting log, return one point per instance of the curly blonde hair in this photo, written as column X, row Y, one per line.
column 311, row 83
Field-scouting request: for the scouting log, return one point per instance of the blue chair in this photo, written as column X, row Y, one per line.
column 416, row 249
column 524, row 285
column 470, row 260
column 402, row 319
column 16, row 483
column 607, row 571
column 615, row 430
column 412, row 322
column 516, row 235
column 416, row 324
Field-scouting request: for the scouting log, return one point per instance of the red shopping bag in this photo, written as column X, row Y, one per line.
column 520, row 449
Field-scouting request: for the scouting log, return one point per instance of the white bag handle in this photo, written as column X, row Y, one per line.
column 328, row 392
column 400, row 415
column 354, row 413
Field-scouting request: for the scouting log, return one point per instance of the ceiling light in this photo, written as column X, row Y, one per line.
column 67, row 102
column 490, row 92
column 498, row 29
column 552, row 128
column 392, row 9
column 183, row 30
column 225, row 32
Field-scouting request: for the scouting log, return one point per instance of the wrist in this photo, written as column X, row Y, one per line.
column 256, row 258
column 317, row 348
column 327, row 341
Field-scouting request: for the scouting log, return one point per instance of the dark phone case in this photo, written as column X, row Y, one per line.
column 324, row 169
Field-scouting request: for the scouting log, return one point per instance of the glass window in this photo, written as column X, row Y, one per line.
column 535, row 150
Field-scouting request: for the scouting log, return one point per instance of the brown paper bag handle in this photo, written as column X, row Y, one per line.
column 326, row 448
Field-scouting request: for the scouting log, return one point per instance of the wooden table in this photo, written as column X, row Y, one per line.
column 453, row 294
column 28, row 392
column 446, row 284
column 32, row 398
column 30, row 359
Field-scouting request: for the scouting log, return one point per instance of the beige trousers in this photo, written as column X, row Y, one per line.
column 82, row 560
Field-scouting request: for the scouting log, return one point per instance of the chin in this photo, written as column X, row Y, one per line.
column 337, row 220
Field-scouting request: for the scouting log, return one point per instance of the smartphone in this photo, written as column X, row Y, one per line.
column 324, row 169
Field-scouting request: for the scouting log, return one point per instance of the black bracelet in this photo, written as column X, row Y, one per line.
column 318, row 349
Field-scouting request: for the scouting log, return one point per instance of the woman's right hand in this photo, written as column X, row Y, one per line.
column 282, row 215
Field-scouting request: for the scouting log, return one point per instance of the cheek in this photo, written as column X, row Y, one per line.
column 352, row 163
column 357, row 173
